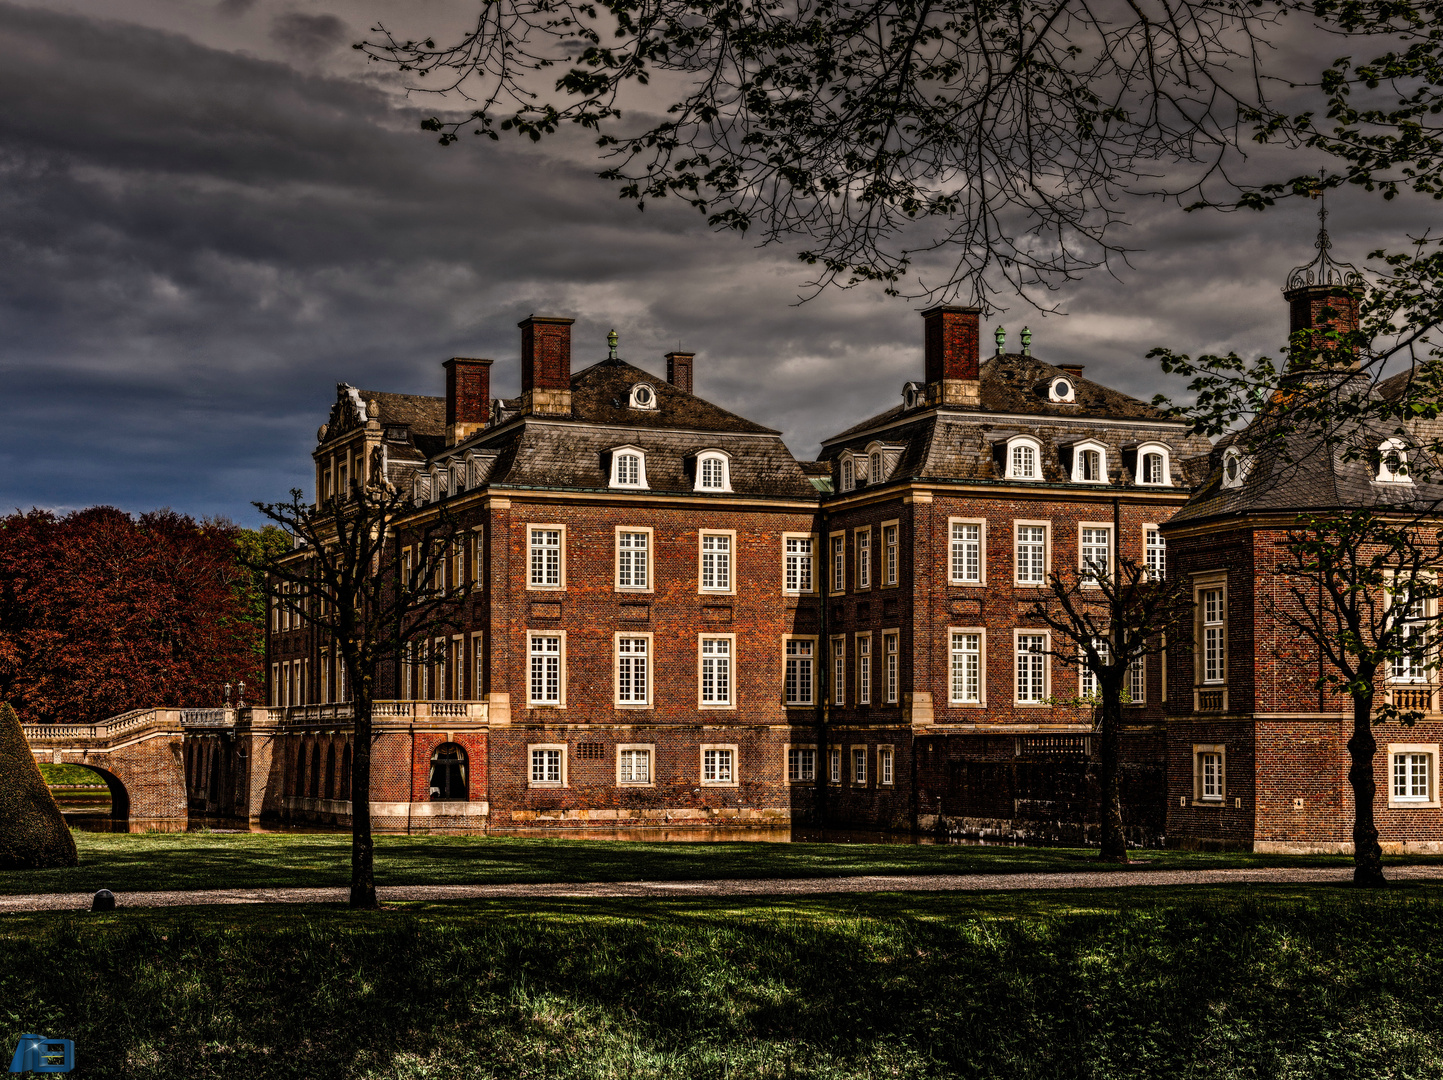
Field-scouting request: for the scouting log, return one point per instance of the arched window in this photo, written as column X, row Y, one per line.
column 1235, row 468
column 1154, row 465
column 330, row 792
column 1061, row 390
column 875, row 467
column 300, row 788
column 315, row 788
column 628, row 467
column 849, row 474
column 1393, row 462
column 448, row 781
column 1089, row 463
column 345, row 790
column 713, row 472
column 643, row 397
column 1023, row 459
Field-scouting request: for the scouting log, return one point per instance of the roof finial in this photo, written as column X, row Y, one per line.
column 1324, row 270
column 1001, row 337
column 1026, row 341
column 611, row 340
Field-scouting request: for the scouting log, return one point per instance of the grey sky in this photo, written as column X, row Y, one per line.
column 211, row 211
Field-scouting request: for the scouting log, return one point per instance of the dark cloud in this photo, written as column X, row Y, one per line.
column 196, row 244
column 308, row 36
column 235, row 7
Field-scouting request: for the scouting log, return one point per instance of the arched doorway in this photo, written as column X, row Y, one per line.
column 450, row 777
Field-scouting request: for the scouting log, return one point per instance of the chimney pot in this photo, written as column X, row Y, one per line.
column 1075, row 370
column 679, row 369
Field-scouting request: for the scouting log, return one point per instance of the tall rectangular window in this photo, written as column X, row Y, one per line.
column 839, row 563
column 632, row 566
column 839, row 671
column 545, row 670
column 890, row 650
column 545, row 558
column 892, row 556
column 801, row 764
column 799, row 671
column 864, row 559
column 966, row 553
column 1210, row 775
column 458, row 563
column 716, row 671
column 1214, row 645
column 633, row 686
column 798, row 576
column 1155, row 554
column 1096, row 553
column 1031, row 670
column 966, row 668
column 1031, row 557
column 864, row 669
column 478, row 666
column 834, row 765
column 885, row 757
column 1137, row 680
column 859, row 766
column 1089, row 682
column 716, row 562
column 478, row 556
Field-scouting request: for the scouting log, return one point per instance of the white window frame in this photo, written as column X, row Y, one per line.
column 1140, row 474
column 1429, row 751
column 1201, row 796
column 531, row 751
column 834, row 765
column 1386, row 473
column 730, row 587
column 1137, row 681
column 1203, row 676
column 957, row 666
column 478, row 664
column 959, row 546
column 532, row 528
column 625, row 654
column 617, row 453
column 701, row 658
column 847, row 473
column 862, row 557
column 478, row 557
column 886, row 765
column 1100, row 448
column 797, row 774
column 862, row 641
column 531, row 654
column 788, row 538
column 1086, row 575
column 722, row 458
column 892, row 666
column 797, row 656
column 1056, row 396
column 1244, row 466
column 1154, row 557
column 634, row 398
column 736, row 765
column 1017, row 526
column 838, row 660
column 1010, row 471
column 1087, row 684
column 857, row 761
column 836, row 563
column 649, row 749
column 1040, row 702
column 648, row 558
column 891, row 554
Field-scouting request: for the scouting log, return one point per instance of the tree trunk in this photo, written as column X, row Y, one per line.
column 363, row 846
column 1114, row 845
column 1367, row 855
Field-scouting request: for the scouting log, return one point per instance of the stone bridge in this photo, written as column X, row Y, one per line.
column 167, row 766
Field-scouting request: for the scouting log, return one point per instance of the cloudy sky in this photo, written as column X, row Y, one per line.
column 212, row 211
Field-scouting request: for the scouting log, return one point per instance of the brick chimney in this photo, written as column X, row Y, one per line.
column 468, row 397
column 678, row 369
column 546, row 365
column 950, row 335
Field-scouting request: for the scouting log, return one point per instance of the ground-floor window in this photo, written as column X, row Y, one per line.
column 448, row 773
column 548, row 766
column 801, row 764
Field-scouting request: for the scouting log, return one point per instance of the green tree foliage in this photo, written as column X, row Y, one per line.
column 33, row 835
column 255, row 549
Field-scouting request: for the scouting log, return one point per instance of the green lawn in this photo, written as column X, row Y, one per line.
column 1220, row 983
column 70, row 774
column 134, row 862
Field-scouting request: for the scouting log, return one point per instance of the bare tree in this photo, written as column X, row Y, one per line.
column 1362, row 587
column 1107, row 621
column 346, row 576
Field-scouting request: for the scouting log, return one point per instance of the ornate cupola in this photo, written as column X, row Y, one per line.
column 1323, row 294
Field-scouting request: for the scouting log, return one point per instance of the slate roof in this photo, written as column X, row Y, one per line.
column 600, row 394
column 953, row 443
column 1294, row 471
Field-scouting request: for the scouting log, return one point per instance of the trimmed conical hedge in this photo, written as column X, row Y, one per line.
column 33, row 835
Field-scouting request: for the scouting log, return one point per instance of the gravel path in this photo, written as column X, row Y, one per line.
column 1098, row 879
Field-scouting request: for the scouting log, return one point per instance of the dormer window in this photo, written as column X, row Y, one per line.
column 458, row 477
column 874, row 466
column 713, row 471
column 1089, row 463
column 1024, row 459
column 849, row 474
column 398, row 433
column 643, row 396
column 628, row 467
column 1393, row 463
column 914, row 395
column 1235, row 468
column 1154, row 465
column 1062, row 391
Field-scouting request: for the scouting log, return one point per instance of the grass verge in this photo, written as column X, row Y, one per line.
column 1222, row 983
column 147, row 861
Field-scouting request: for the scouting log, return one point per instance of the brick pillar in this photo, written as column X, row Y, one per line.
column 679, row 368
column 1323, row 308
column 468, row 397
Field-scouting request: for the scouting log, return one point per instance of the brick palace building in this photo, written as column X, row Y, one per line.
column 674, row 622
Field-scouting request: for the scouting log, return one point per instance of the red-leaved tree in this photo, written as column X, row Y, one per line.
column 101, row 612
